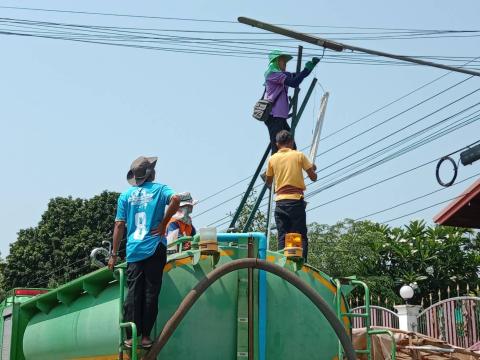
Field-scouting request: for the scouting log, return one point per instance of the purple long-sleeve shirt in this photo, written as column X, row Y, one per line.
column 277, row 84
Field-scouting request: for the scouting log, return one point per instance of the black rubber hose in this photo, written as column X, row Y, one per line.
column 455, row 171
column 216, row 274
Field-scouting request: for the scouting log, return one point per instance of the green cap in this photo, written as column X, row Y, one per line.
column 275, row 54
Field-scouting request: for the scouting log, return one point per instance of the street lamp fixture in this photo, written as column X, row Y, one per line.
column 406, row 292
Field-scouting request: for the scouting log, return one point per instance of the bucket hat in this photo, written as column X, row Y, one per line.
column 275, row 54
column 140, row 170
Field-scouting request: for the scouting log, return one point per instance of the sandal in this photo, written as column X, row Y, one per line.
column 147, row 345
column 127, row 344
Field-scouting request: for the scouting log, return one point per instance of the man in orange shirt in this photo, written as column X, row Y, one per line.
column 286, row 167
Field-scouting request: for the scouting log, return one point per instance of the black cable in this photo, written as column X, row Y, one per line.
column 398, row 153
column 403, row 151
column 362, row 118
column 455, row 171
column 394, row 133
column 414, row 199
column 378, row 153
column 420, row 210
column 118, row 15
column 394, row 117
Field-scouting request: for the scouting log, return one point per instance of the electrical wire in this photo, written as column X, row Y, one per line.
column 357, row 121
column 414, row 199
column 420, row 210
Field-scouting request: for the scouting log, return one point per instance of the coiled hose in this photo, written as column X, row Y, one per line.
column 254, row 263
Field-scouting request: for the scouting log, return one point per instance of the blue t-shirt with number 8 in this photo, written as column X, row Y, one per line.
column 142, row 208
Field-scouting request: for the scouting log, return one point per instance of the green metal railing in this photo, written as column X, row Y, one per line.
column 120, row 273
column 366, row 315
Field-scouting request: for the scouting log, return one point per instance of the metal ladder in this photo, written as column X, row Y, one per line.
column 348, row 284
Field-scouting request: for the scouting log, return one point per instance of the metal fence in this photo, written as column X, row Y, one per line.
column 455, row 320
column 379, row 316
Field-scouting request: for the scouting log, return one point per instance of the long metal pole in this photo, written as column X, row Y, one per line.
column 269, row 213
column 304, row 104
column 251, row 338
column 297, row 89
column 336, row 46
column 249, row 188
column 318, row 128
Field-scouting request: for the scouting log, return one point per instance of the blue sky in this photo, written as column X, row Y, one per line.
column 75, row 115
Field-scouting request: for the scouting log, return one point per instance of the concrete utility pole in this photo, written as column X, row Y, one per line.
column 336, row 46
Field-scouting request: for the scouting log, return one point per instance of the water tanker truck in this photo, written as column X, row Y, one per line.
column 260, row 305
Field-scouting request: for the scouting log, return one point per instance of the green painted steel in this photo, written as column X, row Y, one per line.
column 294, row 325
column 81, row 319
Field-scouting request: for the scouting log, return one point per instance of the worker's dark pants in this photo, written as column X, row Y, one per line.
column 290, row 217
column 144, row 281
column 275, row 125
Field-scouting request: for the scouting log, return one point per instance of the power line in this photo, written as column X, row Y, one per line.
column 427, row 139
column 414, row 199
column 364, row 117
column 118, row 15
column 396, row 132
column 224, row 21
column 377, row 153
column 386, row 159
column 391, row 118
column 104, row 35
column 420, row 210
column 408, row 148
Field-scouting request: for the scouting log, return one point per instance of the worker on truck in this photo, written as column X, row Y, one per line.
column 142, row 209
column 286, row 168
column 277, row 81
column 181, row 224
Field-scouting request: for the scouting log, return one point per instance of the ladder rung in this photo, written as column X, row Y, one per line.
column 355, row 315
column 362, row 351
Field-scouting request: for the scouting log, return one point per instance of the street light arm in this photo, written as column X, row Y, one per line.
column 336, row 46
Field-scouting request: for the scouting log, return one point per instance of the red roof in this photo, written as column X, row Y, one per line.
column 463, row 211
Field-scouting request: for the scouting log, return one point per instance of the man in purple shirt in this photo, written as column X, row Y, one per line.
column 277, row 82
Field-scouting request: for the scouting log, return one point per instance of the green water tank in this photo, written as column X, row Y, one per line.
column 80, row 319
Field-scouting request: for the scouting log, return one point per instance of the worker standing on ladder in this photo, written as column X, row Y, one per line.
column 277, row 81
column 286, row 168
column 142, row 209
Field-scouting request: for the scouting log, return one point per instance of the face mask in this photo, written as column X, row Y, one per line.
column 183, row 214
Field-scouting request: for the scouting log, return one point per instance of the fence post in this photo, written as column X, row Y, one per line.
column 407, row 316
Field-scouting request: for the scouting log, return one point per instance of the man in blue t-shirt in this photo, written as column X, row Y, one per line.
column 142, row 209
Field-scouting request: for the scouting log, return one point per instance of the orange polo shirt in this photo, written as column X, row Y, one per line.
column 286, row 168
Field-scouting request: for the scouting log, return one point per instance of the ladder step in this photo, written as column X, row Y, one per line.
column 355, row 315
column 362, row 351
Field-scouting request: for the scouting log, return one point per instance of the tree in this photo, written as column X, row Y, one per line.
column 259, row 221
column 432, row 258
column 57, row 249
column 352, row 248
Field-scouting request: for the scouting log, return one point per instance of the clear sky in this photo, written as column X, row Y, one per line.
column 73, row 115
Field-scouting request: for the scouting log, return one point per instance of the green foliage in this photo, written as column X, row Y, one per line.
column 352, row 248
column 57, row 249
column 260, row 219
column 431, row 257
